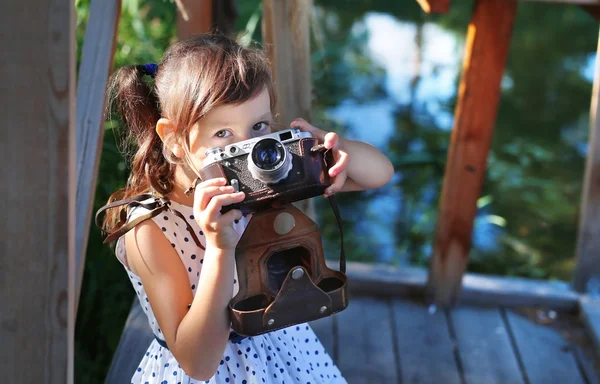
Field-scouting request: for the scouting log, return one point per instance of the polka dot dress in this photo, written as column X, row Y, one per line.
column 291, row 355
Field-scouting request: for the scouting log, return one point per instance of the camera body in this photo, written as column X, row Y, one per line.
column 272, row 170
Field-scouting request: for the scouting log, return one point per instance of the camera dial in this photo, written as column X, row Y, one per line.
column 269, row 161
column 213, row 152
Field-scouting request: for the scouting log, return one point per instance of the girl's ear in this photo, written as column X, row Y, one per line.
column 166, row 131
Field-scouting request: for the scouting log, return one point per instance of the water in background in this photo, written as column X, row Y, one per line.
column 388, row 74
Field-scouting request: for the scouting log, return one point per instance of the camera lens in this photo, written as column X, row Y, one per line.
column 269, row 161
column 267, row 154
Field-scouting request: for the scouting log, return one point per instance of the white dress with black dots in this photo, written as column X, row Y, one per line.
column 291, row 355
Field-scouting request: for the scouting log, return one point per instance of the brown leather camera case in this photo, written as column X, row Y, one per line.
column 282, row 274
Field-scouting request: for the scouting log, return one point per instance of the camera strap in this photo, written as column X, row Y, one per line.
column 155, row 207
column 338, row 218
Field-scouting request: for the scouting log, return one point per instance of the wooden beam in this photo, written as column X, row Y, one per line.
column 488, row 41
column 588, row 241
column 96, row 65
column 593, row 10
column 286, row 36
column 434, row 6
column 37, row 153
column 478, row 289
column 572, row 2
column 195, row 17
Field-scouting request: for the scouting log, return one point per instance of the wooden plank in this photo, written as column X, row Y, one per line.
column 546, row 357
column 588, row 241
column 324, row 328
column 424, row 342
column 517, row 292
column 486, row 352
column 96, row 65
column 37, row 250
column 135, row 339
column 590, row 314
column 586, row 365
column 434, row 6
column 488, row 41
column 386, row 280
column 365, row 342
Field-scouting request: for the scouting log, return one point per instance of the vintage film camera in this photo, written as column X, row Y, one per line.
column 282, row 275
column 273, row 170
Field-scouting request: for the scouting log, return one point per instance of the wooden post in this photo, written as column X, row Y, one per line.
column 201, row 16
column 286, row 35
column 486, row 50
column 588, row 242
column 194, row 17
column 96, row 65
column 593, row 10
column 434, row 6
column 37, row 224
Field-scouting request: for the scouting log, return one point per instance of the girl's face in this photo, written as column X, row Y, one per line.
column 227, row 124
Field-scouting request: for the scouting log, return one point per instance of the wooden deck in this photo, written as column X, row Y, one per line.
column 400, row 340
column 379, row 340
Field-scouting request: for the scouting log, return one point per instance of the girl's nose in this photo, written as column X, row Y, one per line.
column 245, row 136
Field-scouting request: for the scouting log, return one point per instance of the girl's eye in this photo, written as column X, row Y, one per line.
column 261, row 126
column 223, row 133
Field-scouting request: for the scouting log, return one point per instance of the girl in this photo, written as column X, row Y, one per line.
column 210, row 92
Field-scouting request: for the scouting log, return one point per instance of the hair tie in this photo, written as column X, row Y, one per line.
column 148, row 69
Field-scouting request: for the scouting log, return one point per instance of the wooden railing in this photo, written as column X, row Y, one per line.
column 488, row 41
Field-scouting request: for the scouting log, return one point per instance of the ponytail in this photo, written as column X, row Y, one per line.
column 138, row 107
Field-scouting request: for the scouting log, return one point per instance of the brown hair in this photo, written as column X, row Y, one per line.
column 194, row 76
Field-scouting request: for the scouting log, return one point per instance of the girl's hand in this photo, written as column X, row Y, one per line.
column 209, row 197
column 331, row 140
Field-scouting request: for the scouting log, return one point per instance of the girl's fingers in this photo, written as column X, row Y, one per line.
column 208, row 193
column 213, row 209
column 199, row 191
column 340, row 164
column 230, row 217
column 337, row 185
column 331, row 140
column 209, row 182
